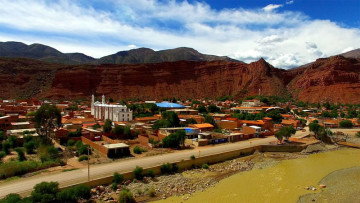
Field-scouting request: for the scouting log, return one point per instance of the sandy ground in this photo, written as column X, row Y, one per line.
column 341, row 186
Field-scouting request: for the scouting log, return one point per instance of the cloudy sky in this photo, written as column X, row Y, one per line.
column 287, row 33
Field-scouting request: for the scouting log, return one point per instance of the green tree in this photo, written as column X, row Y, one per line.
column 21, row 154
column 107, row 126
column 174, row 140
column 6, row 146
column 118, row 130
column 45, row 192
column 213, row 108
column 315, row 127
column 202, row 109
column 346, row 124
column 172, row 117
column 47, row 118
column 127, row 132
column 13, row 141
column 2, row 136
column 11, row 198
column 209, row 119
column 275, row 115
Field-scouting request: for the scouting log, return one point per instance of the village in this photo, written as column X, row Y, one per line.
column 99, row 132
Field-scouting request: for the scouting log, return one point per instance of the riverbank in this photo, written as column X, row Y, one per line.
column 186, row 183
column 341, row 186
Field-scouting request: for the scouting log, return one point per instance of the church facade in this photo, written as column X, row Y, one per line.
column 105, row 111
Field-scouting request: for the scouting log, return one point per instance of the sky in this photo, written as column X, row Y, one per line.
column 286, row 33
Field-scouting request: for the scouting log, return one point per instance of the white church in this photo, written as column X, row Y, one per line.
column 105, row 111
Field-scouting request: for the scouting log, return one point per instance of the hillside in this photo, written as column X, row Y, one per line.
column 145, row 55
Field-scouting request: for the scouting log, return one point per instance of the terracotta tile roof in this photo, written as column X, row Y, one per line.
column 202, row 125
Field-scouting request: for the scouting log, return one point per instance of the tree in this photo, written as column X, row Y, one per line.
column 2, row 136
column 11, row 198
column 209, row 119
column 13, row 141
column 213, row 108
column 346, row 124
column 127, row 132
column 6, row 147
column 107, row 126
column 174, row 140
column 118, row 130
column 275, row 115
column 202, row 109
column 314, row 127
column 45, row 192
column 47, row 118
column 21, row 154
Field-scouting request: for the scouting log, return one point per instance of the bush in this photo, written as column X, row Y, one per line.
column 165, row 168
column 174, row 168
column 138, row 150
column 15, row 168
column 83, row 157
column 74, row 194
column 2, row 155
column 30, row 146
column 13, row 141
column 70, row 143
column 151, row 192
column 126, row 196
column 11, row 198
column 205, row 166
column 114, row 186
column 6, row 147
column 358, row 134
column 192, row 157
column 151, row 173
column 81, row 148
column 45, row 192
column 118, row 178
column 346, row 124
column 138, row 172
column 21, row 154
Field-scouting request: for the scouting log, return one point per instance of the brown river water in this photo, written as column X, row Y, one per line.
column 283, row 182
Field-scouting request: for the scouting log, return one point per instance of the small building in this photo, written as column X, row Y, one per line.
column 117, row 150
column 203, row 127
column 250, row 103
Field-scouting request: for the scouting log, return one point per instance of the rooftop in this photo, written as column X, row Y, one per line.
column 117, row 145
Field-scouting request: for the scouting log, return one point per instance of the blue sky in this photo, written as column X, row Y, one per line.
column 287, row 33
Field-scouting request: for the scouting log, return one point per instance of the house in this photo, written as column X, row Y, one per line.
column 294, row 123
column 20, row 125
column 250, row 103
column 203, row 127
column 252, row 130
column 185, row 111
column 229, row 123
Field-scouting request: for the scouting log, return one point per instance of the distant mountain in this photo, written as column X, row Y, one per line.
column 145, row 55
column 42, row 53
column 352, row 54
column 134, row 56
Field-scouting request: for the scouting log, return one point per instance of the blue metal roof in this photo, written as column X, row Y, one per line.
column 169, row 105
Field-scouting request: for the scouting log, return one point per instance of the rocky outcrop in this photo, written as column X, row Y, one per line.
column 334, row 79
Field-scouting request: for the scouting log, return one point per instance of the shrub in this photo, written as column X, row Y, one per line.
column 21, row 154
column 165, row 168
column 114, row 186
column 151, row 192
column 358, row 134
column 11, row 198
column 83, row 157
column 118, row 178
column 74, row 194
column 2, row 155
column 29, row 147
column 70, row 143
column 14, row 168
column 151, row 173
column 2, row 136
column 346, row 124
column 45, row 192
column 6, row 147
column 13, row 141
column 205, row 166
column 174, row 168
column 138, row 172
column 126, row 196
column 192, row 157
column 137, row 150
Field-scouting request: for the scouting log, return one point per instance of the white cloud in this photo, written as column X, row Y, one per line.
column 289, row 2
column 272, row 7
column 245, row 34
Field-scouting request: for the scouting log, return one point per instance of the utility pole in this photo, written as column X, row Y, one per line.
column 88, row 163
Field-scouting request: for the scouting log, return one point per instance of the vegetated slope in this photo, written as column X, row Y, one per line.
column 42, row 53
column 334, row 79
column 145, row 55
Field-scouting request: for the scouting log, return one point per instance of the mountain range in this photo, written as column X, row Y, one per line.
column 333, row 79
column 141, row 55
